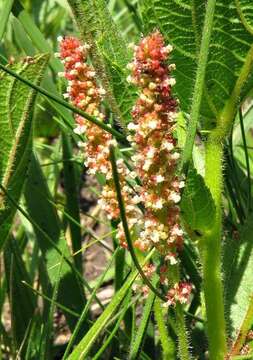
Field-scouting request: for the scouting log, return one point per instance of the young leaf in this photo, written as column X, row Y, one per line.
column 141, row 332
column 16, row 111
column 197, row 205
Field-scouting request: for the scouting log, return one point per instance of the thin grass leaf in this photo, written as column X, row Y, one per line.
column 22, row 301
column 115, row 328
column 72, row 206
column 47, row 331
column 87, row 307
column 5, row 10
column 137, row 341
column 83, row 348
column 47, row 218
column 35, row 34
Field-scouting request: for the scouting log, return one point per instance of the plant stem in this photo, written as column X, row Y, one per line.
column 183, row 346
column 199, row 82
column 166, row 342
column 211, row 253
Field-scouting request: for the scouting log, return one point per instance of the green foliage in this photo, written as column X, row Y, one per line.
column 16, row 112
column 198, row 208
column 22, row 301
column 181, row 23
column 238, row 262
column 51, row 240
column 110, row 54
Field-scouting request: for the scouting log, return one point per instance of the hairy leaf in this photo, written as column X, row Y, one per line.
column 181, row 23
column 16, row 112
column 109, row 54
column 197, row 205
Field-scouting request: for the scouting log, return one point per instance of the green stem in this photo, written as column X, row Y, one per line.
column 227, row 115
column 166, row 342
column 183, row 345
column 199, row 82
column 211, row 256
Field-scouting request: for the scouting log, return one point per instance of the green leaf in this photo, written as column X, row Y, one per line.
column 141, row 332
column 181, row 23
column 45, row 215
column 83, row 348
column 22, row 301
column 16, row 112
column 109, row 54
column 197, row 205
column 116, row 56
column 237, row 265
column 5, row 10
column 71, row 177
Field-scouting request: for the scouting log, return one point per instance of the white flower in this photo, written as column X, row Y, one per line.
column 175, row 156
column 147, row 164
column 158, row 204
column 172, row 81
column 151, row 153
column 168, row 145
column 160, row 178
column 79, row 130
column 131, row 126
column 175, row 197
column 152, row 124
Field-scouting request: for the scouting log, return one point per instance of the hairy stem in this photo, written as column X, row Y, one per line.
column 167, row 343
column 199, row 82
column 211, row 256
column 183, row 345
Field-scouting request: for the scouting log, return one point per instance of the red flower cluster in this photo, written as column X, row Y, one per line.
column 85, row 94
column 152, row 136
column 180, row 292
column 156, row 159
